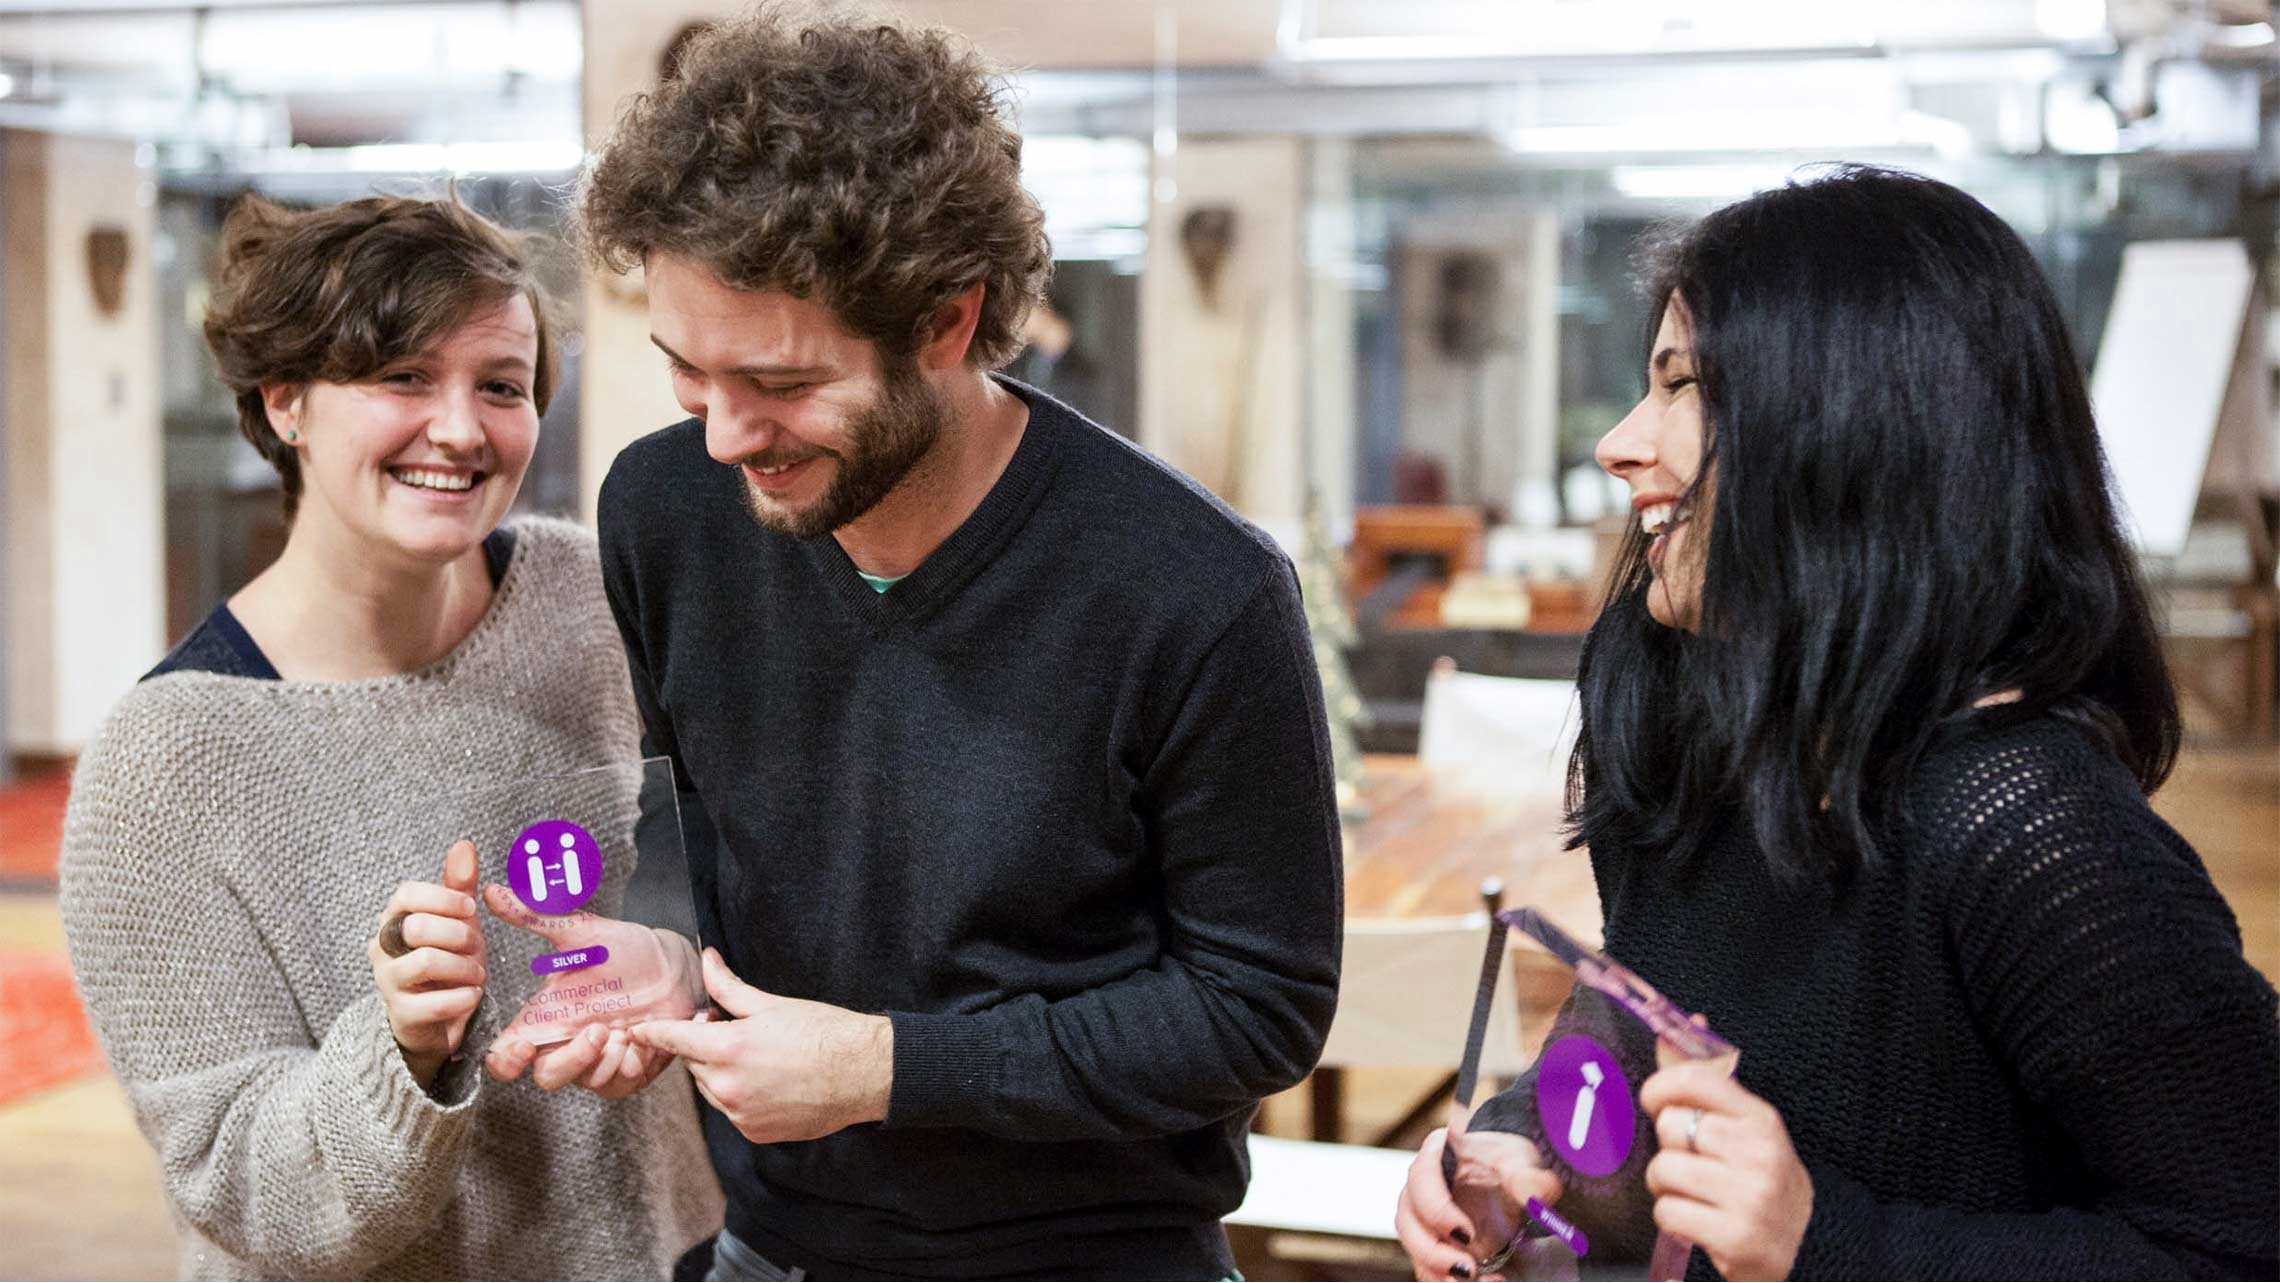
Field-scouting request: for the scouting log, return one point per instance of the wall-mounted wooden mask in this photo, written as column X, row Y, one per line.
column 1207, row 237
column 107, row 267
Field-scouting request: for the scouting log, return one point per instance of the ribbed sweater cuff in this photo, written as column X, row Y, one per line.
column 944, row 1070
column 375, row 1094
column 1839, row 1236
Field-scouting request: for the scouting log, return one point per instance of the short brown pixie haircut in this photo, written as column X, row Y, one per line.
column 337, row 294
column 863, row 165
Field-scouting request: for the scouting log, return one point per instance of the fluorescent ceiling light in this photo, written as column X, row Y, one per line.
column 1803, row 131
column 2077, row 121
column 421, row 158
column 1101, row 244
column 2254, row 35
column 1946, row 137
column 385, row 44
column 1980, row 66
column 2071, row 20
column 1561, row 28
column 1696, row 182
column 1094, row 192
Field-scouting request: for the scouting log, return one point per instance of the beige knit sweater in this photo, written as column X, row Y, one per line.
column 229, row 846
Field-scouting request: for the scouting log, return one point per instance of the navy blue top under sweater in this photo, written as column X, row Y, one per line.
column 220, row 643
column 1060, row 803
column 2023, row 1044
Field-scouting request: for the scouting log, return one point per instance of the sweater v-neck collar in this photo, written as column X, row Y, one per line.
column 970, row 547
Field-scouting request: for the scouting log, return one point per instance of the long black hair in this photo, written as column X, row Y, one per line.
column 1910, row 512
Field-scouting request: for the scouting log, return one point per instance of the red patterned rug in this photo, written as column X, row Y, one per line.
column 31, row 829
column 44, row 1036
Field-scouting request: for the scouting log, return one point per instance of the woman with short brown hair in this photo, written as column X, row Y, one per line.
column 292, row 1037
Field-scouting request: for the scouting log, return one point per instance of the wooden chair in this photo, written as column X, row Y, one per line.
column 1518, row 731
column 1320, row 1208
column 1404, row 1001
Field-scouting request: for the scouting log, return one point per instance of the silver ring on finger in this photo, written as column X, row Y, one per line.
column 1693, row 1130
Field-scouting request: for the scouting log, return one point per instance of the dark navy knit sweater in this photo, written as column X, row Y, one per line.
column 1060, row 803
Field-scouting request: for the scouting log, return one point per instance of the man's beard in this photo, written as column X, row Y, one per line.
column 887, row 440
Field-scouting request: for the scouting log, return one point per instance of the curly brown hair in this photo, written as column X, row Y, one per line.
column 337, row 294
column 865, row 165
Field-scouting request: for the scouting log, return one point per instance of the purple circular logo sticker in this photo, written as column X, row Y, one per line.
column 1585, row 1104
column 555, row 866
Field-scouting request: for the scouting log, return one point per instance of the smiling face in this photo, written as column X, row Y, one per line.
column 422, row 460
column 821, row 428
column 1657, row 451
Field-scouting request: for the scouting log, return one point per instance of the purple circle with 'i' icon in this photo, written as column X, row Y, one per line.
column 554, row 866
column 1584, row 1102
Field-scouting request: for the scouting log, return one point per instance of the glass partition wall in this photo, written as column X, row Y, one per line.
column 1430, row 251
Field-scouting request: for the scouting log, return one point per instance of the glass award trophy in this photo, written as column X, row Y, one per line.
column 595, row 923
column 1578, row 1106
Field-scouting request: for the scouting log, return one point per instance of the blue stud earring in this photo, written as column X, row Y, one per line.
column 291, row 436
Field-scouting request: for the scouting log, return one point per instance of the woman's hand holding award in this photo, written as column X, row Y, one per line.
column 598, row 977
column 565, row 909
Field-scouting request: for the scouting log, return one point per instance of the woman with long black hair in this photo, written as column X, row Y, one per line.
column 1869, row 723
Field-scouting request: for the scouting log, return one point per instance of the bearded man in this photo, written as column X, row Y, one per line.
column 1006, row 785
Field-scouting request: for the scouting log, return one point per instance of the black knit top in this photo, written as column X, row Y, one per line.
column 2021, row 1044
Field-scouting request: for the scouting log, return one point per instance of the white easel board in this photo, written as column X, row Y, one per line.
column 2162, row 370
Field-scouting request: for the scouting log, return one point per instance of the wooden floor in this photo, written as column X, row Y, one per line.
column 79, row 1191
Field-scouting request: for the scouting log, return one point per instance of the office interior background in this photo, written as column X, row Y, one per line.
column 1363, row 267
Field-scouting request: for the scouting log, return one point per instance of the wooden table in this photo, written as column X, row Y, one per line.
column 1431, row 837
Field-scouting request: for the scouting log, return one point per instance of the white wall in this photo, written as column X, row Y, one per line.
column 1222, row 389
column 1328, row 428
column 623, row 393
column 86, row 494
